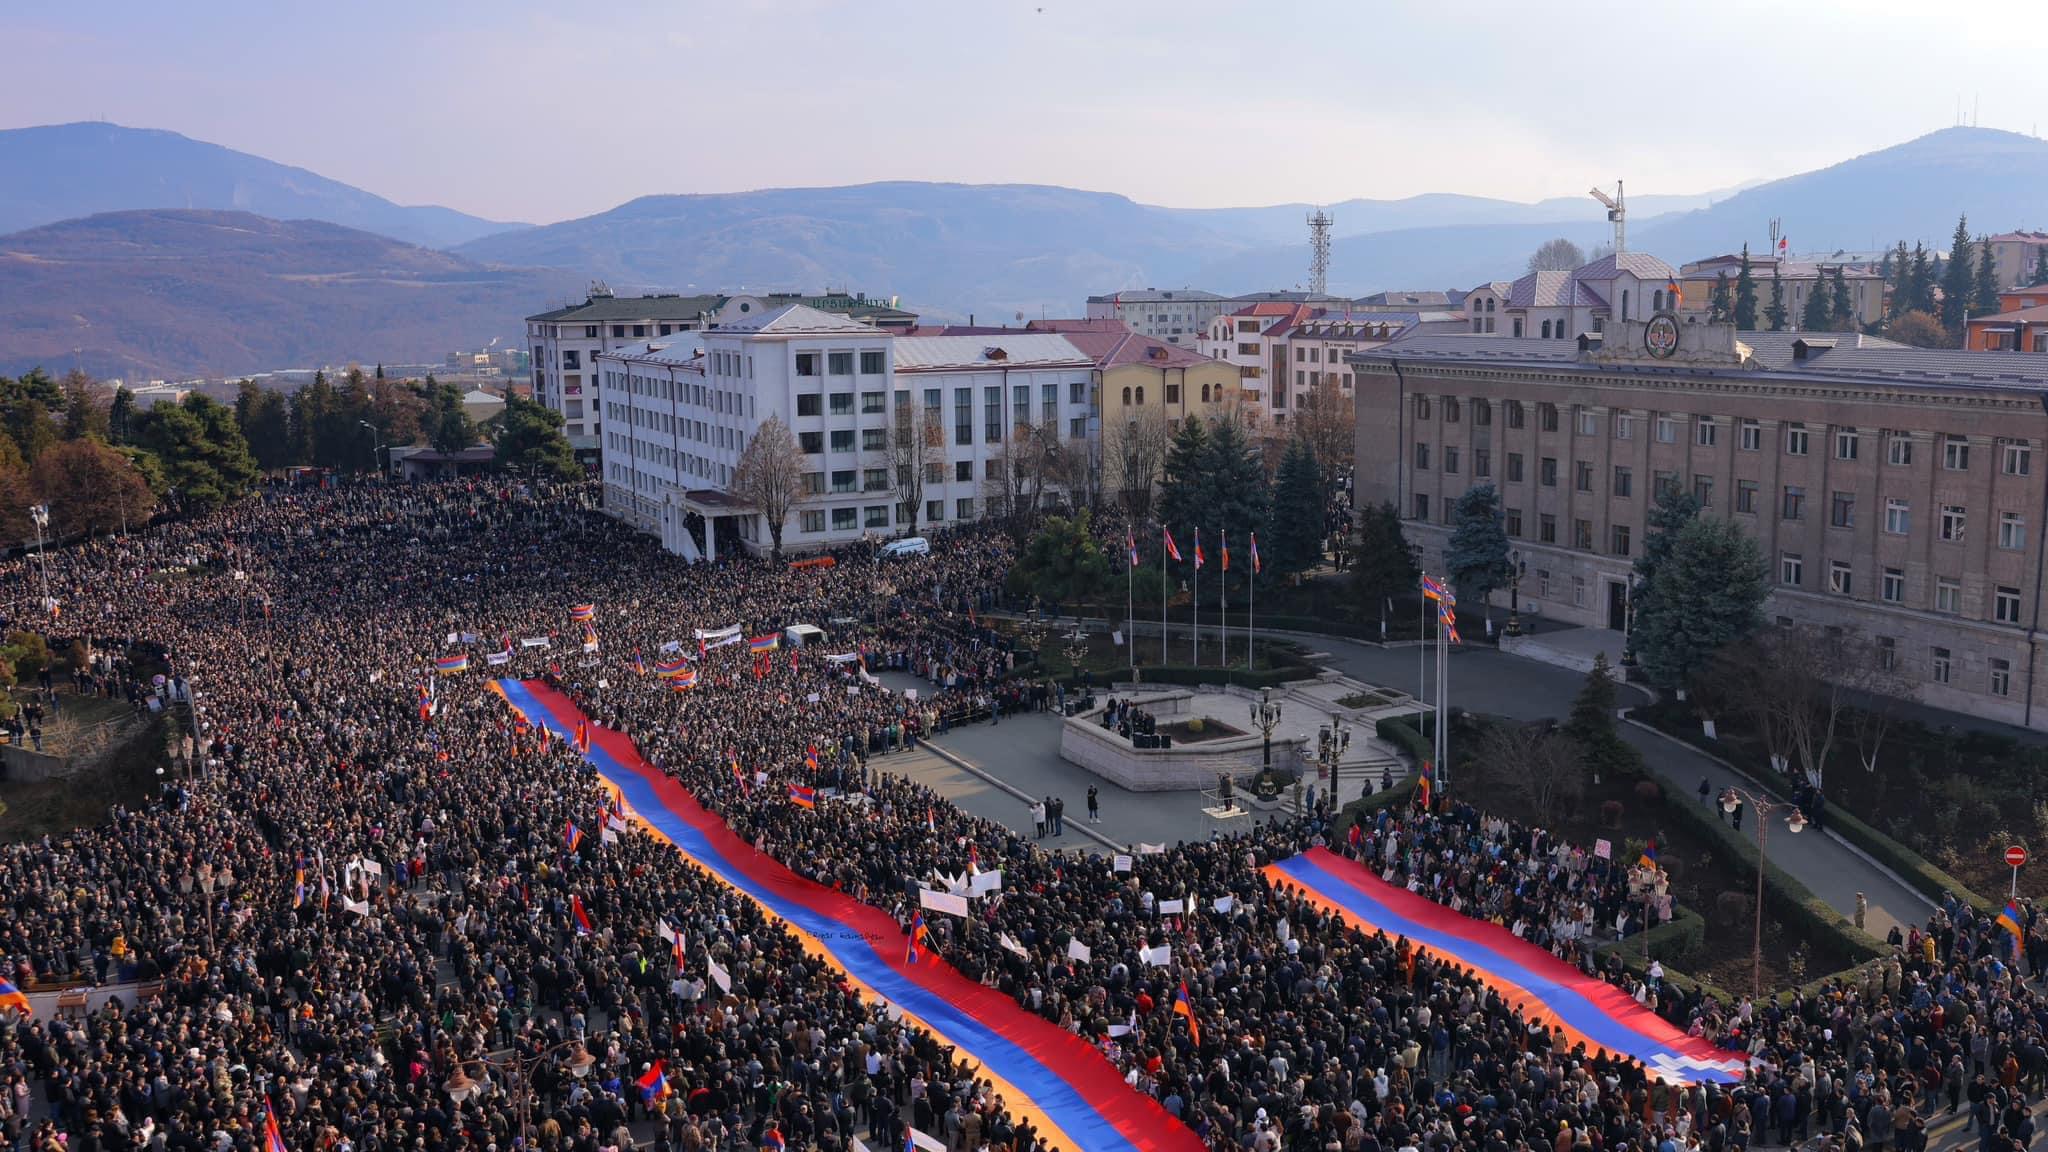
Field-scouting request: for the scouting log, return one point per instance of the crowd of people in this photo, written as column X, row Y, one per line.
column 361, row 914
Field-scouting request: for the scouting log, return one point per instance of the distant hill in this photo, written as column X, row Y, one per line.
column 1911, row 191
column 64, row 171
column 174, row 294
column 948, row 249
column 1284, row 224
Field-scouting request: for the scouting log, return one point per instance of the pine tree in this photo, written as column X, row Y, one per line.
column 1844, row 318
column 1720, row 305
column 1709, row 592
column 1591, row 725
column 1957, row 283
column 1745, row 295
column 1901, row 282
column 1297, row 511
column 1183, row 500
column 1476, row 559
column 2040, row 266
column 1922, row 297
column 1236, row 496
column 1775, row 311
column 1986, row 303
column 1384, row 566
column 1820, row 305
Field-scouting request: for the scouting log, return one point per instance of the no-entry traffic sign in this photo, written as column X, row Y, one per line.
column 2015, row 856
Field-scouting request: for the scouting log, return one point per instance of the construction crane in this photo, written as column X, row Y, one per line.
column 1319, row 252
column 1617, row 211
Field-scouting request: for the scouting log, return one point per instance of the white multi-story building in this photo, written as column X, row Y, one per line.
column 1177, row 317
column 1282, row 351
column 679, row 413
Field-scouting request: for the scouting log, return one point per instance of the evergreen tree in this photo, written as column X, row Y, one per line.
column 1709, row 592
column 1844, row 318
column 1820, row 305
column 1476, row 559
column 1236, row 496
column 1673, row 510
column 1721, row 305
column 1921, row 296
column 1745, row 295
column 1775, row 311
column 1592, row 725
column 1297, row 511
column 2040, row 266
column 1958, row 285
column 1183, row 497
column 121, row 416
column 1062, row 564
column 530, row 442
column 1986, row 303
column 1384, row 566
column 201, row 451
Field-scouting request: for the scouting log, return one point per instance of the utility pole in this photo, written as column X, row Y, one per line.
column 1319, row 252
column 40, row 513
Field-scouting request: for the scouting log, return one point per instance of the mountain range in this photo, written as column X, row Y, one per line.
column 247, row 273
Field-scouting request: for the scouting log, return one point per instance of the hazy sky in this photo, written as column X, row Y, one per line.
column 519, row 110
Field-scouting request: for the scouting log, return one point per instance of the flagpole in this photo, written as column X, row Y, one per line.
column 1251, row 605
column 1223, row 601
column 1195, row 645
column 1422, row 651
column 1130, row 605
column 1443, row 688
column 1164, row 594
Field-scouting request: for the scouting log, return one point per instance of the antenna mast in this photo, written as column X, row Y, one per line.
column 1319, row 252
column 1617, row 211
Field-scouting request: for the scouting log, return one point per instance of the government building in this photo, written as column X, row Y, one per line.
column 1891, row 490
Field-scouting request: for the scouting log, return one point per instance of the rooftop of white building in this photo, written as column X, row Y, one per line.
column 1010, row 350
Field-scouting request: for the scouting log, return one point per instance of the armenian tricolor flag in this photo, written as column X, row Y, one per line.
column 683, row 681
column 583, row 613
column 572, row 838
column 772, row 1140
column 811, row 757
column 803, row 796
column 1225, row 534
column 1131, row 547
column 581, row 917
column 917, row 939
column 1198, row 550
column 2014, row 921
column 1649, row 856
column 1182, row 1006
column 1172, row 549
column 1425, row 787
column 12, row 997
column 768, row 643
column 669, row 669
column 1437, row 590
column 1255, row 553
column 654, row 1085
column 273, row 1140
column 639, row 665
column 456, row 663
column 739, row 776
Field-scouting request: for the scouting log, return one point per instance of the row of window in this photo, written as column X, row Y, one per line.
column 872, row 363
column 1948, row 592
column 846, row 480
column 812, row 520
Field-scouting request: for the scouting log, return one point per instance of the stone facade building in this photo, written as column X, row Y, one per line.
column 1892, row 491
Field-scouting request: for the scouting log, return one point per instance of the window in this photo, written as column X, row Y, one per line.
column 1898, row 517
column 1583, row 474
column 1543, row 582
column 873, row 402
column 1955, row 453
column 2001, row 676
column 1624, row 482
column 963, row 470
column 1482, row 413
column 1887, row 653
column 1589, row 423
column 1846, row 444
column 2012, row 530
column 1795, row 439
column 1794, row 506
column 2015, row 457
column 1842, row 510
column 1667, row 430
column 1547, row 472
column 814, row 483
column 2005, row 605
column 843, row 481
column 1482, row 462
column 839, row 363
column 963, row 415
column 808, row 404
column 1513, row 521
column 1940, row 663
column 807, row 365
column 1620, row 540
column 1790, row 568
column 874, row 479
column 1624, row 426
column 845, row 519
column 873, row 439
column 934, row 473
column 1705, row 432
column 618, row 331
column 1582, row 534
column 1703, row 491
column 1514, row 467
column 1422, row 407
column 1450, row 459
column 1421, row 506
column 1664, row 484
column 1514, row 413
column 1948, row 595
column 811, row 521
column 1579, row 591
column 1745, row 496
column 1077, row 391
column 1893, row 587
column 1546, row 528
column 1421, row 457
column 992, row 413
column 812, row 442
column 1546, row 329
column 963, row 508
column 842, row 441
column 1546, row 417
column 1172, row 395
column 871, row 363
column 1451, row 408
column 842, row 404
column 1751, row 435
column 1839, row 578
column 1953, row 520
column 1898, row 448
column 875, row 516
column 934, row 511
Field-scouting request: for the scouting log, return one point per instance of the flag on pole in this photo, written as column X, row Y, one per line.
column 811, row 757
column 1131, row 546
column 583, row 735
column 1437, row 590
column 12, row 997
column 1172, row 549
column 273, row 1140
column 1426, row 784
column 1182, row 1006
column 572, row 838
column 1649, row 856
column 767, row 643
column 582, row 918
column 451, row 664
column 803, row 796
column 917, row 939
column 1198, row 549
column 639, row 665
column 582, row 613
column 654, row 1085
column 1255, row 553
column 2014, row 921
column 1225, row 534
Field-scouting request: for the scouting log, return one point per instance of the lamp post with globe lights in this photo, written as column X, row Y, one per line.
column 1266, row 717
column 1795, row 821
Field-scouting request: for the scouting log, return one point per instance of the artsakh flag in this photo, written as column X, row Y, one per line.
column 582, row 918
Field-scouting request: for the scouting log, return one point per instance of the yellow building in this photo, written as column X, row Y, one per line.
column 1135, row 375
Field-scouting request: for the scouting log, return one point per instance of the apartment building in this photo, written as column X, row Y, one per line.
column 1893, row 491
column 1283, row 350
column 1177, row 316
column 679, row 414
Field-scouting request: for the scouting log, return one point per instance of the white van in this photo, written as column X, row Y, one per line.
column 908, row 546
column 803, row 635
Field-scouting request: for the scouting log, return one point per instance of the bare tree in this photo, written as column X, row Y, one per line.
column 917, row 449
column 1811, row 688
column 1328, row 421
column 1131, row 457
column 770, row 476
column 1559, row 255
column 1545, row 766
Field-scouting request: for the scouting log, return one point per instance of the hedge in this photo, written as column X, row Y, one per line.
column 1402, row 732
column 1263, row 678
column 1912, row 867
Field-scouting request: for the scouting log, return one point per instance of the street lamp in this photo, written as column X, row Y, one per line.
column 378, row 445
column 40, row 513
column 1077, row 648
column 1519, row 568
column 522, row 1067
column 1266, row 717
column 1332, row 741
column 1795, row 820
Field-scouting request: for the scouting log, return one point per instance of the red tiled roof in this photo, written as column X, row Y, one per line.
column 2035, row 315
column 1117, row 349
column 1097, row 324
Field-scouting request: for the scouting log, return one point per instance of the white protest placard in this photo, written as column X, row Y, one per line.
column 607, row 836
column 1158, row 957
column 1010, row 944
column 533, row 642
column 985, row 882
column 360, row 908
column 910, row 693
column 1603, row 849
column 615, row 823
column 957, row 885
column 1120, row 863
column 1168, row 907
column 1079, row 951
column 945, row 902
column 1151, row 849
column 928, row 1143
column 1119, row 1029
column 719, row 974
column 811, row 699
column 1224, row 903
column 1117, row 637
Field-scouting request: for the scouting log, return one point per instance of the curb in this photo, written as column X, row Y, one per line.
column 969, row 766
column 1882, row 868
